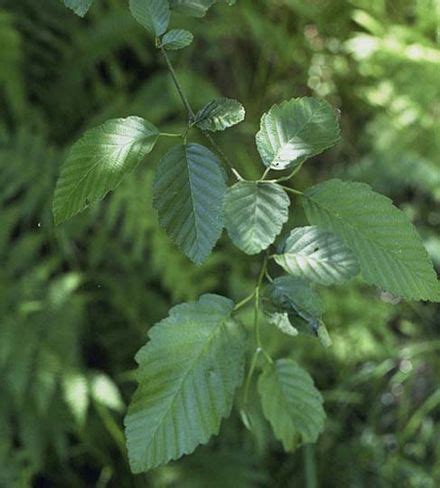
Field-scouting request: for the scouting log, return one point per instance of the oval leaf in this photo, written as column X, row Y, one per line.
column 97, row 163
column 80, row 7
column 188, row 373
column 317, row 255
column 189, row 189
column 195, row 8
column 389, row 250
column 177, row 39
column 220, row 114
column 296, row 130
column 291, row 403
column 296, row 297
column 154, row 15
column 255, row 214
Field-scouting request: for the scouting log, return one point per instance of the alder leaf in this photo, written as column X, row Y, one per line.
column 295, row 296
column 188, row 374
column 80, row 7
column 389, row 250
column 296, row 130
column 188, row 194
column 281, row 321
column 177, row 39
column 195, row 8
column 317, row 255
column 291, row 403
column 97, row 163
column 220, row 114
column 154, row 15
column 255, row 214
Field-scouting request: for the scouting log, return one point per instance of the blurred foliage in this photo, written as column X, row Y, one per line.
column 76, row 302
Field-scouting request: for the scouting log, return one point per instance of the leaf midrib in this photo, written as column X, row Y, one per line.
column 183, row 379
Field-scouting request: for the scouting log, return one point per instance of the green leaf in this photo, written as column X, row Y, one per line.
column 295, row 296
column 177, row 39
column 188, row 373
column 291, row 403
column 220, row 114
column 80, row 7
column 281, row 321
column 255, row 214
column 317, row 255
column 296, row 130
column 154, row 15
column 97, row 163
column 195, row 8
column 189, row 189
column 388, row 248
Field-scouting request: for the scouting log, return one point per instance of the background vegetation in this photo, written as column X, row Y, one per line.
column 76, row 302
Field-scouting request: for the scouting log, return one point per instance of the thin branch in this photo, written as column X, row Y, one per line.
column 191, row 114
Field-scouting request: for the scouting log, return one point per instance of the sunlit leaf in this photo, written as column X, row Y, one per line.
column 389, row 250
column 188, row 373
column 318, row 256
column 295, row 130
column 97, row 163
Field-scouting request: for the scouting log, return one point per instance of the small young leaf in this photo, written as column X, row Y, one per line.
column 291, row 403
column 188, row 373
column 177, row 39
column 255, row 214
column 296, row 130
column 220, row 114
column 295, row 296
column 389, row 250
column 188, row 194
column 80, row 7
column 317, row 255
column 154, row 15
column 97, row 163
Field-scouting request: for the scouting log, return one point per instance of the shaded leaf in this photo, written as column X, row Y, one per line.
column 291, row 403
column 188, row 189
column 295, row 296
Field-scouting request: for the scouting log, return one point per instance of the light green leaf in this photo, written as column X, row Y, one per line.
column 154, row 15
column 281, row 321
column 80, row 7
column 177, row 39
column 105, row 392
column 195, row 8
column 291, row 403
column 189, row 189
column 317, row 255
column 76, row 396
column 97, row 163
column 295, row 296
column 188, row 373
column 220, row 114
column 255, row 214
column 389, row 250
column 296, row 130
